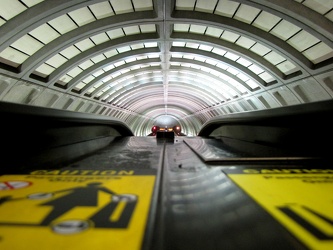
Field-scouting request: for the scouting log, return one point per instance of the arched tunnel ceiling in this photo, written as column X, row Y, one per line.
column 137, row 60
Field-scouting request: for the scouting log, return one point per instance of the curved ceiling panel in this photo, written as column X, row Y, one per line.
column 139, row 60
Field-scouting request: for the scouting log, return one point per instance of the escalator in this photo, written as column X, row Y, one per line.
column 76, row 181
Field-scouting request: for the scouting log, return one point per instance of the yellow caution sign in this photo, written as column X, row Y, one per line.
column 300, row 199
column 81, row 209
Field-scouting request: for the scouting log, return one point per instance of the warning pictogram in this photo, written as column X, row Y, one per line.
column 320, row 225
column 8, row 185
column 110, row 208
column 300, row 199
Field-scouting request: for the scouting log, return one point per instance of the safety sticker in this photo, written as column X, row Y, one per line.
column 300, row 199
column 77, row 209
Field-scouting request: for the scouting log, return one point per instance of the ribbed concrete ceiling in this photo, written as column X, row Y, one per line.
column 187, row 59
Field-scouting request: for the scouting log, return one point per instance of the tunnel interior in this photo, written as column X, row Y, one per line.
column 166, row 125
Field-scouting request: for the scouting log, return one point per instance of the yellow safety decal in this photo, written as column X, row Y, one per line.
column 301, row 200
column 44, row 210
